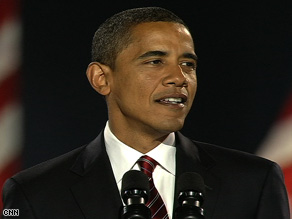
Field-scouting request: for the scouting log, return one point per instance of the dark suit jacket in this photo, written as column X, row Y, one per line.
column 81, row 184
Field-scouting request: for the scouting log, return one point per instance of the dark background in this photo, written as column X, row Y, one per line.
column 244, row 73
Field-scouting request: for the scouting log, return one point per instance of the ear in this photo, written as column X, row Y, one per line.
column 97, row 75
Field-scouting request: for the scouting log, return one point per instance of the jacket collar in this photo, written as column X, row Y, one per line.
column 191, row 157
column 96, row 188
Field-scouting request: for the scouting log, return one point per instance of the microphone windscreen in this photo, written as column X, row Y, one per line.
column 134, row 179
column 191, row 181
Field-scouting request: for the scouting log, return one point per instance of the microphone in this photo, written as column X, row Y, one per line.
column 135, row 194
column 191, row 192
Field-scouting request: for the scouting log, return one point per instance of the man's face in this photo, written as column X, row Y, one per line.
column 154, row 81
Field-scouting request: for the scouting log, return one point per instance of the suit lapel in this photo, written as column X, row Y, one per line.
column 192, row 158
column 96, row 191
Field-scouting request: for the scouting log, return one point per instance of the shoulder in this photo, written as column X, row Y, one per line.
column 230, row 162
column 49, row 170
column 50, row 179
column 222, row 154
column 65, row 168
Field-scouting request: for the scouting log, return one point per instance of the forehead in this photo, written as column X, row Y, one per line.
column 153, row 30
column 162, row 36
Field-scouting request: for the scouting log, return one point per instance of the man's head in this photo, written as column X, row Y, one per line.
column 115, row 33
column 148, row 74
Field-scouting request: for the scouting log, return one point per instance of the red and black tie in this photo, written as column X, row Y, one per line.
column 155, row 202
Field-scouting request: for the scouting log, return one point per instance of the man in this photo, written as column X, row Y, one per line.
column 144, row 63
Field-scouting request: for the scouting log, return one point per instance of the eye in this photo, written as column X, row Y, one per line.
column 189, row 65
column 155, row 62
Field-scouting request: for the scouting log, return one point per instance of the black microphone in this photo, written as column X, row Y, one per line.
column 135, row 194
column 191, row 192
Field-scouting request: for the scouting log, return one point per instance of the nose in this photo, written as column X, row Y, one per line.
column 175, row 77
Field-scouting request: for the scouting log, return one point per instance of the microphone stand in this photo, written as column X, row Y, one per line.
column 190, row 206
column 135, row 205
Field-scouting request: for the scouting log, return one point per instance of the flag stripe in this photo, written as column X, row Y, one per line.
column 10, row 133
column 8, row 171
column 8, row 8
column 10, row 105
column 277, row 146
column 10, row 39
column 9, row 88
column 287, row 110
column 288, row 181
column 288, row 178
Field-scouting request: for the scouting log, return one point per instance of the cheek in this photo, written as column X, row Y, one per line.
column 192, row 87
column 136, row 85
column 133, row 92
column 144, row 84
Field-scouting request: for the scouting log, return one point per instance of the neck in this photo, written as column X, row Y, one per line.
column 141, row 141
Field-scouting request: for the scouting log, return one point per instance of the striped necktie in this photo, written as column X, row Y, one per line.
column 155, row 202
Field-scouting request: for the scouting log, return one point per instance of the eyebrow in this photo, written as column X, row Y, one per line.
column 162, row 53
column 190, row 55
column 152, row 53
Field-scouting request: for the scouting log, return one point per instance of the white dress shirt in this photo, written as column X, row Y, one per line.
column 123, row 158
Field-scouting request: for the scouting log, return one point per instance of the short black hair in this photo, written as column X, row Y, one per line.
column 115, row 33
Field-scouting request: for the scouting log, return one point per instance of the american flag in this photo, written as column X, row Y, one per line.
column 277, row 146
column 10, row 105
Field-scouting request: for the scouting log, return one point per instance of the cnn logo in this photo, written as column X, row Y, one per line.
column 11, row 212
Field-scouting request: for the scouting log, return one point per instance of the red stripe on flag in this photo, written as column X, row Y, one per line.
column 288, row 182
column 288, row 178
column 287, row 170
column 8, row 9
column 8, row 171
column 9, row 89
column 287, row 109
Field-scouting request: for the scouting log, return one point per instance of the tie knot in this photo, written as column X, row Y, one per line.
column 147, row 164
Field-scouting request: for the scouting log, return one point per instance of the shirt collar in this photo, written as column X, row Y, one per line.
column 123, row 158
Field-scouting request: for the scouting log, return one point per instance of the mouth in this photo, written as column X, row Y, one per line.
column 176, row 100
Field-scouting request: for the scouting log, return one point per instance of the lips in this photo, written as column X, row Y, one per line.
column 173, row 99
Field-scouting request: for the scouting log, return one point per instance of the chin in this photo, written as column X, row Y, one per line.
column 171, row 126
